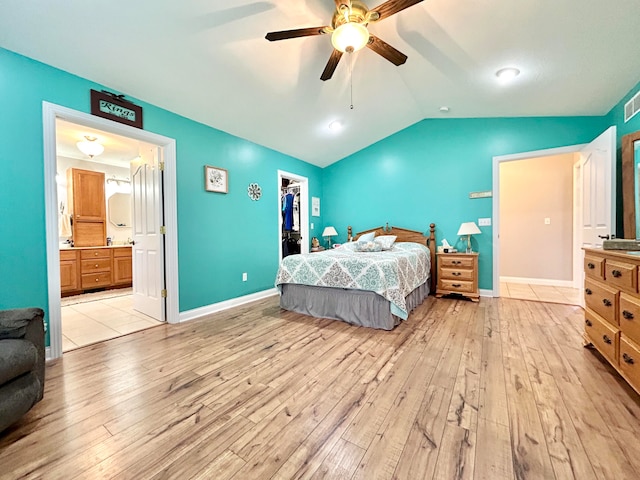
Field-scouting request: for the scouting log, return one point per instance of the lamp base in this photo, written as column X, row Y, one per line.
column 469, row 244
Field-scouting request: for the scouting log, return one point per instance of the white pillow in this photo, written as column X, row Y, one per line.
column 367, row 237
column 386, row 241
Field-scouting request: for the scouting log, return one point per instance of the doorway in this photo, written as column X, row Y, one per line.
column 95, row 312
column 166, row 149
column 293, row 214
column 593, row 195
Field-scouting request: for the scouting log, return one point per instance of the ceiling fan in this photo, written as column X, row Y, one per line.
column 349, row 31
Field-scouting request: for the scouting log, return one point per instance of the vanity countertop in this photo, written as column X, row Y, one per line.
column 97, row 246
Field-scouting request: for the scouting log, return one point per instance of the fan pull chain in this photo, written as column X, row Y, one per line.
column 351, row 78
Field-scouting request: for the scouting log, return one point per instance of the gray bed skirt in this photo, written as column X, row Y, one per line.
column 358, row 307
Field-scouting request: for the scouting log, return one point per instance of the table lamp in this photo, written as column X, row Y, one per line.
column 468, row 229
column 329, row 232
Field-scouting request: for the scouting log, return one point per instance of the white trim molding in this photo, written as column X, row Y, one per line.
column 50, row 112
column 226, row 304
column 486, row 293
column 537, row 281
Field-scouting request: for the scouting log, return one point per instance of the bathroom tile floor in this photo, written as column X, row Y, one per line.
column 100, row 320
column 541, row 293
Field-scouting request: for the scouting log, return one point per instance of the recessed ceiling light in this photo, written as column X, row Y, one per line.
column 444, row 109
column 335, row 126
column 506, row 74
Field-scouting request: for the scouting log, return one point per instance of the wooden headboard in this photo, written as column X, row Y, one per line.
column 405, row 235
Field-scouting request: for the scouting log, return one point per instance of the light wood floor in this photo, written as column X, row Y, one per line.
column 493, row 390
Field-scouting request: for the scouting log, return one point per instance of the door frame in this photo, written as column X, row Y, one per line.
column 497, row 161
column 50, row 112
column 304, row 210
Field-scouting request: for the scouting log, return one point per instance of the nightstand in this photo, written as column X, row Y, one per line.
column 458, row 274
column 317, row 249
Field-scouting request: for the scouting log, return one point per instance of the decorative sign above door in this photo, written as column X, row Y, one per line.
column 114, row 107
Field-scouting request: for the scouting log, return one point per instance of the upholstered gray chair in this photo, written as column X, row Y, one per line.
column 21, row 362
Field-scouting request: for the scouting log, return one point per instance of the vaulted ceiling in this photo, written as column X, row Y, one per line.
column 209, row 61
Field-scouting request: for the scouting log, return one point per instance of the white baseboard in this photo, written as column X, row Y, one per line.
column 47, row 354
column 538, row 281
column 227, row 304
column 486, row 293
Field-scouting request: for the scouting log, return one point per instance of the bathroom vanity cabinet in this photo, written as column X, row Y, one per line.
column 86, row 200
column 89, row 268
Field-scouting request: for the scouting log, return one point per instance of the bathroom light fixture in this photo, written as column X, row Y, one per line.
column 444, row 109
column 507, row 74
column 350, row 37
column 90, row 146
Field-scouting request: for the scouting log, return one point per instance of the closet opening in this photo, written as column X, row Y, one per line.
column 293, row 214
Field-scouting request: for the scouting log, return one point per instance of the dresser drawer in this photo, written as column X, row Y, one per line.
column 456, row 286
column 630, row 361
column 95, row 253
column 603, row 335
column 594, row 266
column 96, row 280
column 601, row 299
column 456, row 274
column 122, row 252
column 455, row 261
column 96, row 265
column 621, row 274
column 629, row 316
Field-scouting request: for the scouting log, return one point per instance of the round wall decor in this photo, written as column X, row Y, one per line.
column 254, row 191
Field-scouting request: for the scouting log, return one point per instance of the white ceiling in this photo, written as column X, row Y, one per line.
column 209, row 61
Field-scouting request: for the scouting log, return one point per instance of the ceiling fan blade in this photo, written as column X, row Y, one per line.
column 391, row 7
column 299, row 32
column 331, row 65
column 385, row 50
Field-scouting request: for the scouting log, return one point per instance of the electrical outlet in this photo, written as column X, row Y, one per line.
column 244, row 277
column 484, row 222
column 312, row 226
column 547, row 221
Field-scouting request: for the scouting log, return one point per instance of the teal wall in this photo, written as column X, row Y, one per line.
column 425, row 173
column 219, row 236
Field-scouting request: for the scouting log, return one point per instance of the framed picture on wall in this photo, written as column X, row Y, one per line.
column 216, row 179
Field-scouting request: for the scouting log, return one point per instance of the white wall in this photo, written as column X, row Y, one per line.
column 531, row 191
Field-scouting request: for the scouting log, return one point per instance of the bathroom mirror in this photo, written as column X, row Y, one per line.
column 119, row 209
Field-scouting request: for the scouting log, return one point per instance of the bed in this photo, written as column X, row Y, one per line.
column 376, row 290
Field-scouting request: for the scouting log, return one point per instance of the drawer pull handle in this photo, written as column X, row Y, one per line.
column 456, row 285
column 591, row 266
column 96, row 265
column 606, row 339
column 456, row 262
column 95, row 253
column 588, row 322
column 588, row 291
column 456, row 274
column 97, row 279
column 627, row 359
column 607, row 302
column 616, row 273
column 627, row 315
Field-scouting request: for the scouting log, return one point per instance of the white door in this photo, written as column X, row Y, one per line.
column 598, row 189
column 148, row 246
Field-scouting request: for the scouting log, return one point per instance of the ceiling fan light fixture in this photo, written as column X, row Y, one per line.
column 350, row 37
column 90, row 146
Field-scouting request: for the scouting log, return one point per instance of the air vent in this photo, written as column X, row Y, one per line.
column 632, row 107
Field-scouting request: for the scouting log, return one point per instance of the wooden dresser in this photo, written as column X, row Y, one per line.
column 88, row 268
column 612, row 309
column 458, row 273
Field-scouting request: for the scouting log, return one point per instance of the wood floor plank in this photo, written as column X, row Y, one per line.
column 493, row 390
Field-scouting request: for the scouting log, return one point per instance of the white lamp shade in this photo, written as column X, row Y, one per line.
column 329, row 232
column 469, row 228
column 350, row 35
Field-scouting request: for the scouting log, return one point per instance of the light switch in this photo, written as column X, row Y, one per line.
column 547, row 221
column 484, row 222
